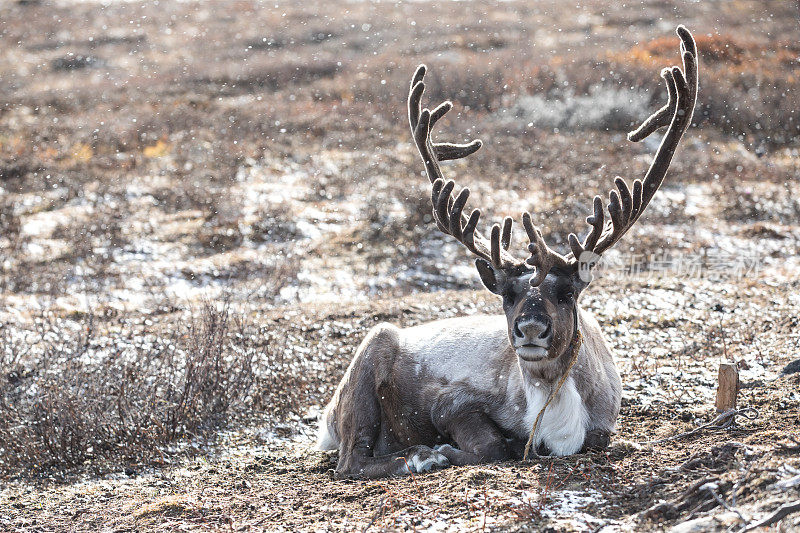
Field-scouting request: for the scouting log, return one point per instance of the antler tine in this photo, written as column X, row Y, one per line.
column 448, row 151
column 625, row 207
column 439, row 111
column 615, row 210
column 689, row 57
column 448, row 214
column 436, row 189
column 637, row 195
column 415, row 97
column 663, row 116
column 626, row 199
column 469, row 231
column 505, row 239
column 442, row 207
column 597, row 221
column 442, row 151
column 542, row 256
column 660, row 118
column 495, row 245
column 455, row 214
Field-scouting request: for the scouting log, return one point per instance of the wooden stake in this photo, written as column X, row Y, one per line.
column 727, row 387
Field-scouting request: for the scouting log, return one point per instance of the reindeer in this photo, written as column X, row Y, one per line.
column 469, row 390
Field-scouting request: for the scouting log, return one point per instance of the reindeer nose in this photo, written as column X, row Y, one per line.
column 532, row 328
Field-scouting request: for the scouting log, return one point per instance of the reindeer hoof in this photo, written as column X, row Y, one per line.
column 424, row 459
column 596, row 439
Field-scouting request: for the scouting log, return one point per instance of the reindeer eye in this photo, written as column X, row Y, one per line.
column 509, row 295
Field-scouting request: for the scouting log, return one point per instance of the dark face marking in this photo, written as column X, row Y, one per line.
column 541, row 320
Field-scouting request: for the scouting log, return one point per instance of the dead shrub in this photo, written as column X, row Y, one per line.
column 604, row 108
column 276, row 224
column 747, row 88
column 760, row 204
column 188, row 194
column 399, row 218
column 475, row 86
column 9, row 222
column 93, row 240
column 716, row 48
column 73, row 394
column 274, row 76
column 220, row 236
column 284, row 385
column 278, row 269
column 75, row 62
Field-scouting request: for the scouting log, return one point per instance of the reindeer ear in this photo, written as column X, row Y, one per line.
column 582, row 277
column 493, row 279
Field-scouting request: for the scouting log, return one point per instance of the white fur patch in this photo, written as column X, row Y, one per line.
column 326, row 441
column 563, row 425
column 456, row 349
column 417, row 464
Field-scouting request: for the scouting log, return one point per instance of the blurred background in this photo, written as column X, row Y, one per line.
column 262, row 149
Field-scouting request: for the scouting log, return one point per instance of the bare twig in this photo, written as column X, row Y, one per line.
column 485, row 506
column 378, row 512
column 785, row 448
column 547, row 485
column 738, row 483
column 724, row 420
column 711, row 489
column 722, row 335
column 782, row 512
column 411, row 473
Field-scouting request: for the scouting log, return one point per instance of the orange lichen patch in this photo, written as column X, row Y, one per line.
column 711, row 47
column 81, row 153
column 48, row 153
column 16, row 144
column 716, row 48
column 160, row 149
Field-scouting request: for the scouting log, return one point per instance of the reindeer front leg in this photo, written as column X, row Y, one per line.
column 358, row 464
column 357, row 459
column 478, row 438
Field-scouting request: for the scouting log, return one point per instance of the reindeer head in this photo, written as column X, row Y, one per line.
column 540, row 293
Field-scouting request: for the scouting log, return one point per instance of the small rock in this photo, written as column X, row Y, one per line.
column 791, row 368
column 706, row 523
column 787, row 484
column 625, row 447
column 74, row 62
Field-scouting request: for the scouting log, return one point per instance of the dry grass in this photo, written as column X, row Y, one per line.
column 73, row 396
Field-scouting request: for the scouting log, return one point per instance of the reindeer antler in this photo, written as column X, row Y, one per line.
column 448, row 211
column 626, row 206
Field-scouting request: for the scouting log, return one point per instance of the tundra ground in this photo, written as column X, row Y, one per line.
column 204, row 207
